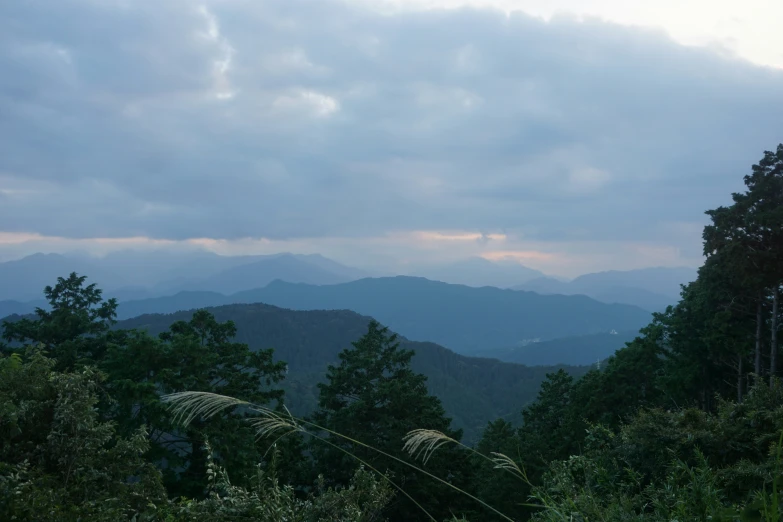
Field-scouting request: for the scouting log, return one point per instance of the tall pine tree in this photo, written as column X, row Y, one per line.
column 374, row 397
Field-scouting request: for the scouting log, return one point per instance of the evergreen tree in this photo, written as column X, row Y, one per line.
column 500, row 490
column 77, row 327
column 750, row 232
column 375, row 398
column 765, row 204
column 198, row 355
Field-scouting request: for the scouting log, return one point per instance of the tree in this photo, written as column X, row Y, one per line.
column 549, row 431
column 60, row 462
column 197, row 355
column 58, row 459
column 731, row 244
column 706, row 339
column 77, row 328
column 631, row 379
column 751, row 233
column 500, row 490
column 374, row 397
column 765, row 198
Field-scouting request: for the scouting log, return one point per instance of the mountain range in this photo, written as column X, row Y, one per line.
column 465, row 319
column 477, row 271
column 134, row 275
column 650, row 288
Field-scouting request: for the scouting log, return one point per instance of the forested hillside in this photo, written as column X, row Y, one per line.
column 684, row 423
column 473, row 390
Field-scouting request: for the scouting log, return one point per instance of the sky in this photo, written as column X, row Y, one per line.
column 570, row 136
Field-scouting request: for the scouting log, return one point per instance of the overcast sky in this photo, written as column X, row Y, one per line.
column 584, row 136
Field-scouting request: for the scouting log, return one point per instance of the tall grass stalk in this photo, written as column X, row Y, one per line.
column 190, row 405
column 771, row 503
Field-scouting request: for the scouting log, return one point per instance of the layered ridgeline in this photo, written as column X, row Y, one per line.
column 652, row 289
column 473, row 390
column 132, row 275
column 464, row 319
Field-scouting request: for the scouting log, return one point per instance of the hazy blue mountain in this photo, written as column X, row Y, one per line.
column 348, row 273
column 170, row 304
column 652, row 289
column 133, row 275
column 147, row 268
column 545, row 285
column 661, row 280
column 634, row 296
column 575, row 350
column 164, row 272
column 24, row 279
column 473, row 390
column 129, row 293
column 10, row 307
column 477, row 271
column 463, row 318
column 262, row 272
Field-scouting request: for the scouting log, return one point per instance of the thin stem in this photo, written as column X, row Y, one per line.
column 397, row 459
column 383, row 475
column 190, row 401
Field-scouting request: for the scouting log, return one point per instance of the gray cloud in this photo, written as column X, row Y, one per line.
column 314, row 118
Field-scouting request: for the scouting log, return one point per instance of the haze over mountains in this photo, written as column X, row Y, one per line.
column 467, row 306
column 462, row 318
column 649, row 288
column 137, row 275
column 477, row 271
column 133, row 275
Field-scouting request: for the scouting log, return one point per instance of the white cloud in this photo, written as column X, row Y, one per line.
column 312, row 102
column 292, row 61
column 749, row 29
column 221, row 66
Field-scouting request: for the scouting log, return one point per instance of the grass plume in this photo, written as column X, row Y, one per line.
column 188, row 406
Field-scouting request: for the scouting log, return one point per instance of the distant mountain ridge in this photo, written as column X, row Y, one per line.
column 478, row 272
column 652, row 289
column 10, row 307
column 136, row 275
column 261, row 273
column 464, row 319
column 141, row 275
column 24, row 279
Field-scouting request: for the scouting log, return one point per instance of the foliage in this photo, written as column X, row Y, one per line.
column 266, row 501
column 76, row 329
column 473, row 391
column 195, row 355
column 58, row 460
column 374, row 396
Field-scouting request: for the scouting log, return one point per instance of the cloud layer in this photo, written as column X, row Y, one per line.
column 321, row 119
